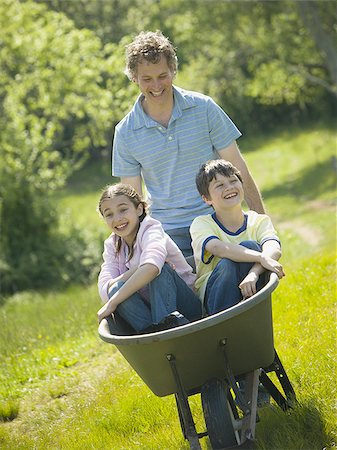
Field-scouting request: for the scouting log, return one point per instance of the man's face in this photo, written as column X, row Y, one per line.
column 155, row 82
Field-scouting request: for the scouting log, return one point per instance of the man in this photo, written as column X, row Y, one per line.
column 166, row 137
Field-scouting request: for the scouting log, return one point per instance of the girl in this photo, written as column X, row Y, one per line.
column 144, row 276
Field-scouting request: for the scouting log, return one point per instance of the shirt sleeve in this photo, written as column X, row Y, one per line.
column 110, row 269
column 266, row 231
column 153, row 245
column 222, row 129
column 123, row 163
column 201, row 233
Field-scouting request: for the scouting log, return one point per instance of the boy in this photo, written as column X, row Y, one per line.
column 232, row 248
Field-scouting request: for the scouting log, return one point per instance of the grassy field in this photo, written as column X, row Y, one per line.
column 61, row 387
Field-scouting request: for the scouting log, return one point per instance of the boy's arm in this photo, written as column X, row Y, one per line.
column 270, row 248
column 238, row 253
column 248, row 285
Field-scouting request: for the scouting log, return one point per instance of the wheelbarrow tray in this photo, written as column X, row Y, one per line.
column 245, row 329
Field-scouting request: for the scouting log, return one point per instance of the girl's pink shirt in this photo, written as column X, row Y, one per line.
column 152, row 246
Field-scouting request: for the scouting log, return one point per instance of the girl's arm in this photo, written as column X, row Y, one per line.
column 141, row 277
column 112, row 270
column 123, row 277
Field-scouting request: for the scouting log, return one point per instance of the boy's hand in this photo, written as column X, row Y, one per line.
column 248, row 285
column 271, row 264
column 105, row 311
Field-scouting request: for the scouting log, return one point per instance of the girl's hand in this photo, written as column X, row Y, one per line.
column 105, row 311
column 248, row 285
column 271, row 264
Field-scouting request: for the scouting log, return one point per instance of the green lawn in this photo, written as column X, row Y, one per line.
column 61, row 387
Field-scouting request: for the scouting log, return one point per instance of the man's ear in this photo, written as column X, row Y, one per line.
column 206, row 200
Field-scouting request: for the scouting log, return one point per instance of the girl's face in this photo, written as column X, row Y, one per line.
column 122, row 217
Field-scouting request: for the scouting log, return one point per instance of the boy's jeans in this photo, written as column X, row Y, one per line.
column 222, row 289
column 168, row 293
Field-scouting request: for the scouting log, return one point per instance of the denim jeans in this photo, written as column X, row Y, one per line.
column 222, row 289
column 168, row 293
column 182, row 237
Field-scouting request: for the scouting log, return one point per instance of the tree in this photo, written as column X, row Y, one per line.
column 55, row 107
column 320, row 19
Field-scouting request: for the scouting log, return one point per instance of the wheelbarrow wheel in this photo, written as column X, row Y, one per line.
column 218, row 414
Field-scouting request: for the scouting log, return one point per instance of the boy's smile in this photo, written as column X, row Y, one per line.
column 225, row 192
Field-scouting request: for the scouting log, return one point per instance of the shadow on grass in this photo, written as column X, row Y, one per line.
column 308, row 184
column 301, row 428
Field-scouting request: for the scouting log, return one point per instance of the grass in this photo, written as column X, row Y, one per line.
column 63, row 388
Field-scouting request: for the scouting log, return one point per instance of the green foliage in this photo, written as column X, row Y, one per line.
column 62, row 89
column 55, row 108
column 242, row 53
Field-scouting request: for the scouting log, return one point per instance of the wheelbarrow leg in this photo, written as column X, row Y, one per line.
column 251, row 393
column 285, row 402
column 184, row 410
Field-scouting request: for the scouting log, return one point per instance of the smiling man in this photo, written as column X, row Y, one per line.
column 168, row 135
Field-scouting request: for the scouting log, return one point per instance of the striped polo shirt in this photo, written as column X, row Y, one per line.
column 169, row 158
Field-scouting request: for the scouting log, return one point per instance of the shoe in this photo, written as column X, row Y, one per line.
column 263, row 396
column 175, row 319
column 151, row 329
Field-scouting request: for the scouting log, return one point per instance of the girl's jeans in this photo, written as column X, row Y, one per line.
column 222, row 289
column 168, row 293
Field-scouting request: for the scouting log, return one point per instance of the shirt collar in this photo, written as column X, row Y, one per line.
column 231, row 233
column 181, row 102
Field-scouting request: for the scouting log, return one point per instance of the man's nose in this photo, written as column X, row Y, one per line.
column 156, row 85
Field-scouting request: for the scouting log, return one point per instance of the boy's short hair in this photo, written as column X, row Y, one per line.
column 210, row 169
column 149, row 46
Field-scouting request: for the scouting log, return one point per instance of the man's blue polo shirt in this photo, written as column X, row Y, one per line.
column 169, row 158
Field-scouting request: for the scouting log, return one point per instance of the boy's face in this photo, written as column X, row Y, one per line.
column 224, row 192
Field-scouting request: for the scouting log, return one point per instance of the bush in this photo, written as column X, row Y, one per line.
column 35, row 253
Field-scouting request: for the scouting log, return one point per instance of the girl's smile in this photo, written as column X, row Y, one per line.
column 122, row 217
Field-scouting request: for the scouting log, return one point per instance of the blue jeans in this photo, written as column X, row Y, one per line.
column 168, row 293
column 222, row 290
column 182, row 237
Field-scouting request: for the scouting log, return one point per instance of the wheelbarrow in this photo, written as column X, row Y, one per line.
column 212, row 356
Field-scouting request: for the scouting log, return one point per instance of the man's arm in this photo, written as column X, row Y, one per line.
column 252, row 194
column 136, row 183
